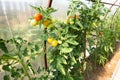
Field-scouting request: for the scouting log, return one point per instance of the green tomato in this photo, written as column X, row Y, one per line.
column 33, row 22
column 51, row 25
column 67, row 21
column 71, row 22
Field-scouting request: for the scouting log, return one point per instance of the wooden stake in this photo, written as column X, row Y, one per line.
column 45, row 46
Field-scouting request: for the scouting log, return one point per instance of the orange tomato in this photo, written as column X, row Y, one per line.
column 46, row 23
column 71, row 16
column 38, row 16
column 77, row 16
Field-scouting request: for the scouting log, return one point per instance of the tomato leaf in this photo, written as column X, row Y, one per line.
column 6, row 68
column 3, row 46
column 25, row 52
column 7, row 56
column 36, row 47
column 6, row 77
column 66, row 50
column 72, row 42
column 61, row 68
column 62, row 60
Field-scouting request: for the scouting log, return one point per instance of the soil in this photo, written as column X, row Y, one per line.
column 105, row 72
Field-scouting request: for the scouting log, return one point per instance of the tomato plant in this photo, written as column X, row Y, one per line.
column 64, row 43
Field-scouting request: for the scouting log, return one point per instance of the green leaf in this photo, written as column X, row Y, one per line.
column 61, row 68
column 66, row 50
column 15, row 73
column 3, row 46
column 30, row 67
column 73, row 60
column 111, row 49
column 7, row 56
column 106, row 48
column 72, row 42
column 32, row 50
column 65, row 45
column 6, row 77
column 39, row 70
column 25, row 52
column 76, row 28
column 6, row 68
column 51, row 10
column 62, row 60
column 69, row 77
column 68, row 12
column 36, row 47
column 44, row 37
column 37, row 8
column 80, row 24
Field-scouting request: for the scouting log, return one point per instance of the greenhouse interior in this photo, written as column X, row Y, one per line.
column 59, row 39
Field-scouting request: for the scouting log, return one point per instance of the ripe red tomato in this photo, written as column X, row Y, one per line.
column 38, row 16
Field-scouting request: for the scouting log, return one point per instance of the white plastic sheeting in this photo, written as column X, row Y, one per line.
column 14, row 14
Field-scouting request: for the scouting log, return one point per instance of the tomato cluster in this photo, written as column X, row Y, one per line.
column 70, row 19
column 47, row 22
column 53, row 42
column 38, row 18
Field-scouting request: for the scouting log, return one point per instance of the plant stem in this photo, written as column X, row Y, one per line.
column 25, row 68
column 20, row 59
